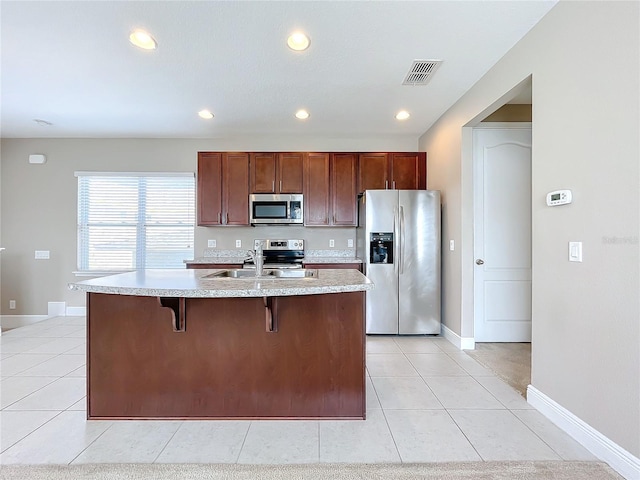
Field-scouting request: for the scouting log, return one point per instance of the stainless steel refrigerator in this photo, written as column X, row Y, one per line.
column 398, row 239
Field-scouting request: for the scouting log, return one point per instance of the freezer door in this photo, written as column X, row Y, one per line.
column 381, row 302
column 419, row 262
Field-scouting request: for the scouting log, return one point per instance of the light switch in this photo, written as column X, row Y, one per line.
column 211, row 244
column 575, row 251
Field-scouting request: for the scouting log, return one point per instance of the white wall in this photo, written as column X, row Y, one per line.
column 584, row 61
column 39, row 202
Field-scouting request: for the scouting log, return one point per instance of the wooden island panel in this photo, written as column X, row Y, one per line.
column 226, row 364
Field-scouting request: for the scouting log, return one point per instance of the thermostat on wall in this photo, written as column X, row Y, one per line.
column 559, row 197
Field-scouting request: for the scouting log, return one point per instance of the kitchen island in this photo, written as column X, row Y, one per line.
column 193, row 344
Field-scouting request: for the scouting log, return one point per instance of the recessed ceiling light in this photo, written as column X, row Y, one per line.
column 205, row 114
column 402, row 115
column 142, row 39
column 302, row 114
column 298, row 41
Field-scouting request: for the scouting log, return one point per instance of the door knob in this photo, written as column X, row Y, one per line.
column 479, row 262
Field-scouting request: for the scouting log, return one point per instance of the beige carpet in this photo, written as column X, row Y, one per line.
column 440, row 471
column 509, row 361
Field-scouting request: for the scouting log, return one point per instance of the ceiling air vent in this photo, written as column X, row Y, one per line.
column 421, row 72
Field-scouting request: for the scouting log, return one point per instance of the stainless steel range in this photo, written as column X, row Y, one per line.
column 280, row 253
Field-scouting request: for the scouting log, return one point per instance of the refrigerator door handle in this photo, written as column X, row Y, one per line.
column 401, row 259
column 396, row 245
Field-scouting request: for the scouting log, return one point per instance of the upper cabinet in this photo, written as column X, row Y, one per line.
column 329, row 181
column 277, row 172
column 344, row 201
column 401, row 171
column 316, row 189
column 330, row 189
column 223, row 188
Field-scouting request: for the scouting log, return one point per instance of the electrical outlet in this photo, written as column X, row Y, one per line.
column 452, row 245
column 42, row 255
column 12, row 304
column 238, row 243
column 211, row 244
column 332, row 243
column 350, row 243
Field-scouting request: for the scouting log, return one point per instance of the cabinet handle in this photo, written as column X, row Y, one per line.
column 386, row 184
column 394, row 184
column 280, row 186
column 220, row 218
column 227, row 220
column 273, row 186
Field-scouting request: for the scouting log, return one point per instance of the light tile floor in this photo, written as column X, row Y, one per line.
column 426, row 402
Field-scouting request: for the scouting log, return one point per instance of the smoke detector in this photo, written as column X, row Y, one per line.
column 421, row 72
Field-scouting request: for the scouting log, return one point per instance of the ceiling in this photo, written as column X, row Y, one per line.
column 71, row 64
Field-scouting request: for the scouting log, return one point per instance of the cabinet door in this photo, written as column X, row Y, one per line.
column 263, row 172
column 316, row 191
column 209, row 188
column 290, row 168
column 405, row 171
column 235, row 188
column 343, row 189
column 373, row 172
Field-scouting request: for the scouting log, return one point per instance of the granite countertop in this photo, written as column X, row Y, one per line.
column 240, row 260
column 193, row 283
column 331, row 260
column 216, row 260
column 232, row 257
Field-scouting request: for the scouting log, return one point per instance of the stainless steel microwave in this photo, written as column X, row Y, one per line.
column 276, row 209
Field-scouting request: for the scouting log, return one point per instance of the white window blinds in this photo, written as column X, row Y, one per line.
column 133, row 221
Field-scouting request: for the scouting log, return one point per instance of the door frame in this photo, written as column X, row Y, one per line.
column 474, row 170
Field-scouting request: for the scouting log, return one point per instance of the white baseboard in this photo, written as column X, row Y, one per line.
column 15, row 321
column 602, row 447
column 461, row 342
column 56, row 309
column 76, row 312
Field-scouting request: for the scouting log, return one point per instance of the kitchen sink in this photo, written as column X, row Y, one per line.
column 267, row 273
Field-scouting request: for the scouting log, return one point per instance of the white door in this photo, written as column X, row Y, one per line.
column 502, row 234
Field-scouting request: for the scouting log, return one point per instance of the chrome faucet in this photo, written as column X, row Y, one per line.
column 257, row 257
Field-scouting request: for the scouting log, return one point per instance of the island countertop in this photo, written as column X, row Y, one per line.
column 196, row 284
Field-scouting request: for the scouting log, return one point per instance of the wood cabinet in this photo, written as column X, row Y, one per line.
column 276, row 172
column 329, row 181
column 344, row 201
column 330, row 189
column 250, row 357
column 395, row 170
column 223, row 188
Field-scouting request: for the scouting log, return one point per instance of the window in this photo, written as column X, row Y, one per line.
column 129, row 221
